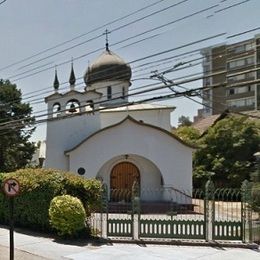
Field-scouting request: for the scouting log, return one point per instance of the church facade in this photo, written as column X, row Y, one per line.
column 97, row 134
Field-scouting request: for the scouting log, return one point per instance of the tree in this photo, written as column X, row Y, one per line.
column 227, row 152
column 184, row 121
column 16, row 127
column 188, row 134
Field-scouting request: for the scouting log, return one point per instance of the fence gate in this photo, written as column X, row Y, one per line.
column 227, row 212
column 184, row 220
column 210, row 214
column 119, row 214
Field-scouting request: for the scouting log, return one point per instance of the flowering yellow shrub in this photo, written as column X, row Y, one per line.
column 67, row 215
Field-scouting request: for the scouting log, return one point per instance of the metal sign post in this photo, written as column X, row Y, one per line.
column 11, row 227
column 11, row 189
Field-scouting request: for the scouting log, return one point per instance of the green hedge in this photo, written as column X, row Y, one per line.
column 38, row 188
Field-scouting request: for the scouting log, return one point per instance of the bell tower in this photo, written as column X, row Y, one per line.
column 72, row 116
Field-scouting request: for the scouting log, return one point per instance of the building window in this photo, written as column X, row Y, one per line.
column 236, row 78
column 207, row 57
column 206, row 94
column 109, row 92
column 240, row 90
column 231, row 91
column 250, row 60
column 245, row 102
column 251, row 88
column 239, row 49
column 206, row 68
column 241, row 62
column 236, row 63
column 242, row 48
column 123, row 92
column 241, row 77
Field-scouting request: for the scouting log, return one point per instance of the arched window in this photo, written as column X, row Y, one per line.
column 72, row 106
column 109, row 92
column 90, row 105
column 56, row 110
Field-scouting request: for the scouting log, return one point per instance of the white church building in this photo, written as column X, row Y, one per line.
column 95, row 134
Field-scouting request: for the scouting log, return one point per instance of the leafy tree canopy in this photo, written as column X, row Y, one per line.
column 227, row 150
column 16, row 127
column 184, row 121
column 188, row 134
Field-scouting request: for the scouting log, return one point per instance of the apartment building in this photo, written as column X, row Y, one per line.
column 230, row 72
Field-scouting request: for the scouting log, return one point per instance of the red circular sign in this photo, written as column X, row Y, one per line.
column 11, row 187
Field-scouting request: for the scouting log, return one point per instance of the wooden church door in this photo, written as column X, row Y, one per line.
column 122, row 178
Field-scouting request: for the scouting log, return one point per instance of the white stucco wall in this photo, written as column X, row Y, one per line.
column 171, row 157
column 65, row 131
column 117, row 90
column 157, row 117
column 65, row 134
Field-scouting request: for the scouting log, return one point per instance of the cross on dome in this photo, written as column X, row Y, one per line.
column 106, row 33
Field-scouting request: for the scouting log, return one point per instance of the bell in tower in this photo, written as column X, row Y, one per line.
column 72, row 108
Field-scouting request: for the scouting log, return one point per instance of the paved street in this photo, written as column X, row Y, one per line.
column 35, row 247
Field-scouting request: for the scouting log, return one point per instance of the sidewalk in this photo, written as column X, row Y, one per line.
column 19, row 255
column 37, row 247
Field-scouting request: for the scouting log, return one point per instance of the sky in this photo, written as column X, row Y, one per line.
column 38, row 35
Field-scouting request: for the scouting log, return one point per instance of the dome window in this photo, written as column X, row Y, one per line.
column 109, row 92
column 123, row 93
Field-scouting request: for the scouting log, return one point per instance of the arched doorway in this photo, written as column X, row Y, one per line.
column 122, row 178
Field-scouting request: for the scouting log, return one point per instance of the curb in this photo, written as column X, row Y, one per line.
column 227, row 244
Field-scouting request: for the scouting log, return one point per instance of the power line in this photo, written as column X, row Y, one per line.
column 142, row 18
column 139, row 66
column 81, row 35
column 149, row 56
column 100, row 35
column 2, row 1
column 169, row 96
column 149, row 15
column 99, row 49
column 231, row 6
column 190, row 53
column 217, row 55
column 103, row 96
column 68, row 61
column 244, row 32
column 188, row 92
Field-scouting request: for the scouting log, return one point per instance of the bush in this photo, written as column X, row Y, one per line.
column 67, row 215
column 38, row 188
